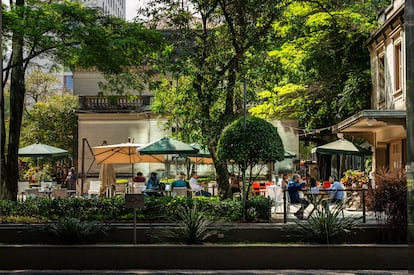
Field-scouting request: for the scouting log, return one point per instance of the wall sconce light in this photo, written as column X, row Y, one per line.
column 371, row 121
column 340, row 135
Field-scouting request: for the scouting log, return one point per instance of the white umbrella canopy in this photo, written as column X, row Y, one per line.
column 123, row 153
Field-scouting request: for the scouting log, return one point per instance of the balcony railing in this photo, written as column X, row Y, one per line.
column 114, row 103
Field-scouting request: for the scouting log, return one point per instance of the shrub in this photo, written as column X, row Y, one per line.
column 390, row 203
column 323, row 226
column 192, row 225
column 113, row 209
column 258, row 209
column 75, row 231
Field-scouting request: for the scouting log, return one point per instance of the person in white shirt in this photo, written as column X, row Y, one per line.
column 196, row 186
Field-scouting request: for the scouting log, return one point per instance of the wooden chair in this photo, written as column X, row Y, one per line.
column 120, row 189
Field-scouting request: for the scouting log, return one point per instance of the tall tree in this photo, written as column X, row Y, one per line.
column 212, row 42
column 322, row 62
column 68, row 33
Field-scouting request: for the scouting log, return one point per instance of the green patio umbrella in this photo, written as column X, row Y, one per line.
column 289, row 155
column 39, row 150
column 203, row 156
column 167, row 146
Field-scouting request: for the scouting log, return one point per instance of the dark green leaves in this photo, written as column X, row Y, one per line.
column 260, row 142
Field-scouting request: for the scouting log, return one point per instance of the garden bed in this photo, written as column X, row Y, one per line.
column 151, row 233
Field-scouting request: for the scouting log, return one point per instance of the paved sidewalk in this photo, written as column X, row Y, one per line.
column 215, row 272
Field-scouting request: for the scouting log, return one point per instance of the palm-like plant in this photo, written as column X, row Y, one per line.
column 323, row 225
column 75, row 231
column 193, row 225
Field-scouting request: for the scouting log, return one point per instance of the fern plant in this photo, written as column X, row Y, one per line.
column 192, row 225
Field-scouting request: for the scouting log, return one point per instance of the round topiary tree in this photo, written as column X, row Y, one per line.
column 258, row 143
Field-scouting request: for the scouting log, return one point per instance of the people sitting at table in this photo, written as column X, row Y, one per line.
column 139, row 178
column 314, row 188
column 337, row 190
column 293, row 189
column 180, row 181
column 153, row 184
column 196, row 187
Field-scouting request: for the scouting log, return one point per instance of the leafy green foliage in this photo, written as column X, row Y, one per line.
column 324, row 225
column 259, row 142
column 193, row 225
column 113, row 209
column 258, row 209
column 53, row 122
column 321, row 60
column 70, row 34
column 208, row 60
column 75, row 231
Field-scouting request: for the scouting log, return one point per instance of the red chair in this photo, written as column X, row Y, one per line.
column 256, row 188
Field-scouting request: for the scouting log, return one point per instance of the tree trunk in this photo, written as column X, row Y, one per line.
column 2, row 118
column 222, row 174
column 17, row 92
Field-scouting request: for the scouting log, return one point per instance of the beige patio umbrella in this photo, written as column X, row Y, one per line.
column 123, row 153
column 107, row 176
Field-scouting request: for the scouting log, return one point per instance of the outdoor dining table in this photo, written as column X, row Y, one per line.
column 315, row 199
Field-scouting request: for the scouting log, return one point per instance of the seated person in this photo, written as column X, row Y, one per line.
column 196, row 186
column 153, row 183
column 337, row 190
column 179, row 182
column 139, row 178
column 234, row 184
column 293, row 189
column 314, row 189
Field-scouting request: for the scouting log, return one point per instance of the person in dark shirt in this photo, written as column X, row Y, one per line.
column 293, row 189
column 139, row 178
column 180, row 182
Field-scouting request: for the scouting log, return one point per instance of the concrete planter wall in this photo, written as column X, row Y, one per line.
column 204, row 257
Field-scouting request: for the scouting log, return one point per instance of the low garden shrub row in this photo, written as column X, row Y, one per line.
column 156, row 209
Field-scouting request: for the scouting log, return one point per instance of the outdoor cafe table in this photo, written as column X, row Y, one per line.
column 315, row 199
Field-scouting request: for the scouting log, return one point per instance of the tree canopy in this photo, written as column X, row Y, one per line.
column 69, row 34
column 208, row 60
column 322, row 63
column 52, row 122
column 249, row 145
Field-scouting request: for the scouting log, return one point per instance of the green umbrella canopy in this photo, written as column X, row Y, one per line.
column 41, row 150
column 289, row 155
column 202, row 153
column 341, row 146
column 167, row 146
